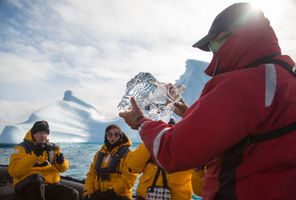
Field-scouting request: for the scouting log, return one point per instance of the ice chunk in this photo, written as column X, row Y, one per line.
column 155, row 98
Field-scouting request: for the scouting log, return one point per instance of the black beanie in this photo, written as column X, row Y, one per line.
column 40, row 126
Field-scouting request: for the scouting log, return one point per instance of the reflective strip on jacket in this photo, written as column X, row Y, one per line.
column 237, row 102
column 179, row 182
column 121, row 182
column 21, row 164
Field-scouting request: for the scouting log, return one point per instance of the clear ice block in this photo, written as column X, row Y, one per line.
column 155, row 98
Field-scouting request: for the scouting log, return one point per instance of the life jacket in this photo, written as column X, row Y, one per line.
column 113, row 166
column 28, row 146
column 233, row 157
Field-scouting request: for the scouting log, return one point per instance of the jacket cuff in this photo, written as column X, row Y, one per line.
column 140, row 119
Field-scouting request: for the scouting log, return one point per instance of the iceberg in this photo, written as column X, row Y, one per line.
column 73, row 120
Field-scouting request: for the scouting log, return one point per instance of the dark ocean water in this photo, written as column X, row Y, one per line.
column 80, row 156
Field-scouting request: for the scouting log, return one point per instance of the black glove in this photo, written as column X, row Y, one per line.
column 39, row 148
column 60, row 158
column 107, row 195
column 50, row 146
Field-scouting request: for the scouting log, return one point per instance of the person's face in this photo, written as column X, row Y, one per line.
column 41, row 137
column 113, row 135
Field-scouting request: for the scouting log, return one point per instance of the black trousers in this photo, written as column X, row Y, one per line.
column 139, row 198
column 101, row 196
column 35, row 188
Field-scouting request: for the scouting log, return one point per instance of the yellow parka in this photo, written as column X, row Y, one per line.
column 121, row 182
column 178, row 182
column 21, row 164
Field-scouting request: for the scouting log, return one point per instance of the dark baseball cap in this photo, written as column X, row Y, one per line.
column 230, row 18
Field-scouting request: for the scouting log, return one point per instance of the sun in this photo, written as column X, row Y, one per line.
column 273, row 10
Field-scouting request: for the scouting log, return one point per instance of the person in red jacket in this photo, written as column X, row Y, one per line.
column 242, row 128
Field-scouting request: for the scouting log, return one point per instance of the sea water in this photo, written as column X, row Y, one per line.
column 80, row 156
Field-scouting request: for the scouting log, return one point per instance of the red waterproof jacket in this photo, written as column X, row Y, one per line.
column 241, row 99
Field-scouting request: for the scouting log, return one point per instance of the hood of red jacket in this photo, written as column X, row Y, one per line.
column 247, row 44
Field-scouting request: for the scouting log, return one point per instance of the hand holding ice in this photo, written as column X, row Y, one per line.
column 155, row 98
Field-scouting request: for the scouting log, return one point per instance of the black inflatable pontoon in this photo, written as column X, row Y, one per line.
column 7, row 190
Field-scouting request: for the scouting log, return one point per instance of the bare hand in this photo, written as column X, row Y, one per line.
column 180, row 108
column 131, row 116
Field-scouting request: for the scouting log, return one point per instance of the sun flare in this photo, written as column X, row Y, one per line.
column 273, row 10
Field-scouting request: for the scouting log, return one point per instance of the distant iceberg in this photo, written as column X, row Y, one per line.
column 73, row 120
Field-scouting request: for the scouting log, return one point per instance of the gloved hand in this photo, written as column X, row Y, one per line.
column 107, row 195
column 60, row 158
column 39, row 148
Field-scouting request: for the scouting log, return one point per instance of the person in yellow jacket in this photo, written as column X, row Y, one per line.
column 108, row 177
column 179, row 182
column 198, row 180
column 35, row 167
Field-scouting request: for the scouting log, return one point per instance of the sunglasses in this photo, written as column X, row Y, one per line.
column 217, row 43
column 115, row 134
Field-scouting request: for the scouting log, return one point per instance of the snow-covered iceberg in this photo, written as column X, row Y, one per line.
column 74, row 120
column 70, row 120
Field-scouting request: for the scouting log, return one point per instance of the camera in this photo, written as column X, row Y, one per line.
column 48, row 146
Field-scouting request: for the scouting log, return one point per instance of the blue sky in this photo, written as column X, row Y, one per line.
column 94, row 47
